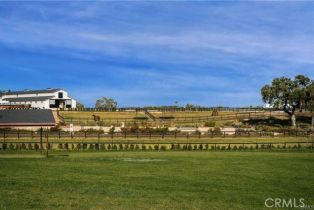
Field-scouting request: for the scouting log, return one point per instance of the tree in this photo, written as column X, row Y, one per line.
column 79, row 105
column 106, row 103
column 287, row 94
column 310, row 102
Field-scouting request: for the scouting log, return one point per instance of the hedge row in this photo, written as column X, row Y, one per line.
column 90, row 146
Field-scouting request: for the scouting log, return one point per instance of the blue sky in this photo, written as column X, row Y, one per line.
column 155, row 53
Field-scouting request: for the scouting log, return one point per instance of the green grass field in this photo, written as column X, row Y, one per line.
column 153, row 180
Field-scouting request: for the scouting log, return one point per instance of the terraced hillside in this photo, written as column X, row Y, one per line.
column 161, row 118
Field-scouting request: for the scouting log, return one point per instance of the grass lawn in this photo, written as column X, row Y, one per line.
column 154, row 180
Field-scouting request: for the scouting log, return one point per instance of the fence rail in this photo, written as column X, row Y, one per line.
column 178, row 109
column 90, row 135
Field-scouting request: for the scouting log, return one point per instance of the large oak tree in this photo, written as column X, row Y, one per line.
column 287, row 94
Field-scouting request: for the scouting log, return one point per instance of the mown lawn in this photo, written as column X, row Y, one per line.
column 154, row 180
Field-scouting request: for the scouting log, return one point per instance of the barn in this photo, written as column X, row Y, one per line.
column 40, row 99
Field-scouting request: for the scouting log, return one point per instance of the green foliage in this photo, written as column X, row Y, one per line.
column 156, row 147
column 287, row 94
column 210, row 124
column 163, row 148
column 106, row 103
column 79, row 105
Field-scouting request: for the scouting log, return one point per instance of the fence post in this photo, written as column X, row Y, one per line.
column 41, row 140
column 47, row 143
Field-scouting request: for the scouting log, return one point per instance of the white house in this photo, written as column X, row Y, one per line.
column 42, row 99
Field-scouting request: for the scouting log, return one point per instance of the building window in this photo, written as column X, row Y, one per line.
column 60, row 95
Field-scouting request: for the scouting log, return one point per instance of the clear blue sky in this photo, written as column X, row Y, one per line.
column 205, row 53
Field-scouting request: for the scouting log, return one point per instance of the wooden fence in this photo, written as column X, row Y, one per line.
column 10, row 135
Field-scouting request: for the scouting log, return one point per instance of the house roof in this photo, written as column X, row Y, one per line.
column 27, row 117
column 21, row 99
column 30, row 91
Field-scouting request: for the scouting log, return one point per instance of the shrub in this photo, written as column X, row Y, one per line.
column 189, row 147
column 143, row 147
column 206, row 146
column 178, row 147
column 91, row 146
column 102, row 146
column 84, row 146
column 132, row 147
column 256, row 146
column 97, row 146
column 194, row 147
column 173, row 147
column 210, row 124
column 137, row 147
column 126, row 147
column 36, row 147
column 120, row 147
column 109, row 147
column 30, row 146
column 4, row 146
column 23, row 146
column 66, row 146
column 150, row 147
column 163, row 148
column 223, row 148
column 241, row 147
column 156, row 147
column 299, row 146
column 185, row 147
column 251, row 147
column 218, row 147
column 200, row 147
column 11, row 146
column 72, row 146
column 234, row 147
column 59, row 146
column 17, row 146
column 78, row 146
column 212, row 147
